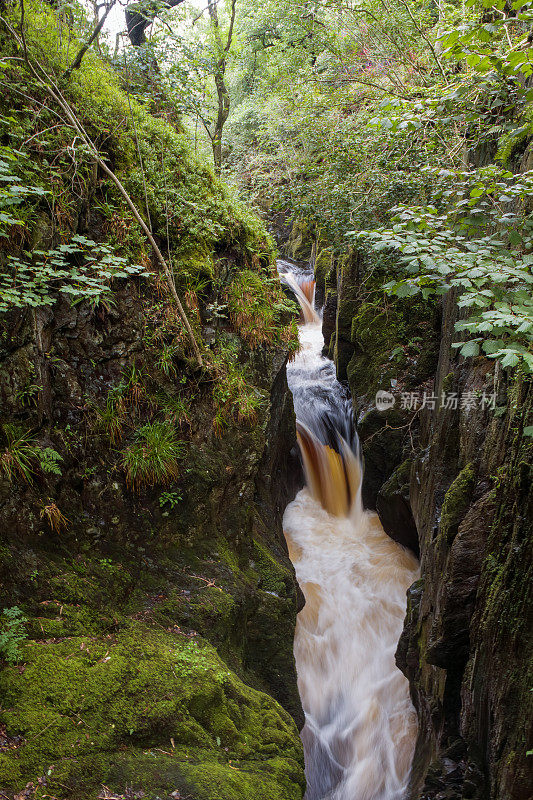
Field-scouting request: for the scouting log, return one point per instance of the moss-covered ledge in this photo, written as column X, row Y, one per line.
column 90, row 711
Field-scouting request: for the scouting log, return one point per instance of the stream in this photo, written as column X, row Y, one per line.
column 360, row 725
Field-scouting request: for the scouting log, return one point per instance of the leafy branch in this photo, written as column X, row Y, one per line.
column 476, row 247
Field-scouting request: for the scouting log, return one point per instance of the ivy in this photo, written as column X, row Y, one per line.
column 12, row 191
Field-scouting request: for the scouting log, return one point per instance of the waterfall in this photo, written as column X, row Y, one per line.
column 360, row 726
column 305, row 293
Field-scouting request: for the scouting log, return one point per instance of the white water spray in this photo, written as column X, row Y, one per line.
column 360, row 726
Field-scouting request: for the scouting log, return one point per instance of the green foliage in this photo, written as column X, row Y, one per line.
column 186, row 205
column 491, row 42
column 153, row 456
column 373, row 133
column 12, row 190
column 474, row 240
column 22, row 456
column 165, row 362
column 255, row 304
column 12, row 634
column 49, row 460
column 36, row 279
column 235, row 396
column 169, row 498
column 110, row 418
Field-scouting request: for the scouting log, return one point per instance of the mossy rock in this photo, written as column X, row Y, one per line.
column 87, row 708
column 456, row 502
column 394, row 508
column 274, row 577
column 400, row 343
column 382, row 437
column 300, row 244
column 203, row 776
column 323, row 266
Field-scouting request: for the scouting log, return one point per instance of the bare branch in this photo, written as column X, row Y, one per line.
column 426, row 39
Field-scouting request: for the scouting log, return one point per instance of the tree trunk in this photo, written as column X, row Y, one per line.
column 220, row 83
column 141, row 18
column 223, row 113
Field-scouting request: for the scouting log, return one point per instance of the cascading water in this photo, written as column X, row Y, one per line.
column 360, row 725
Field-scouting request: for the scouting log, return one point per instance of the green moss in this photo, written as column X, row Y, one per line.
column 79, row 701
column 210, row 610
column 456, row 501
column 245, row 781
column 207, row 775
column 511, row 142
column 399, row 480
column 323, row 267
column 59, row 620
column 300, row 242
column 197, row 265
column 323, row 264
column 274, row 577
column 95, row 582
column 448, row 383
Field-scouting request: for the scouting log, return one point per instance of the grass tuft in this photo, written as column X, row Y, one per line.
column 153, row 456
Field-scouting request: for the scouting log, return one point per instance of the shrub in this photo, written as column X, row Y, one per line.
column 22, row 456
column 256, row 304
column 235, row 397
column 54, row 517
column 110, row 418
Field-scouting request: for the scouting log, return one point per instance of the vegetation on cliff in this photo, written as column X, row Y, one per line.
column 133, row 436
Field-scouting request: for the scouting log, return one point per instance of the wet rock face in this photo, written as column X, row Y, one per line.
column 300, row 245
column 382, row 435
column 329, row 316
column 166, row 624
column 394, row 509
column 466, row 648
column 323, row 267
column 453, row 484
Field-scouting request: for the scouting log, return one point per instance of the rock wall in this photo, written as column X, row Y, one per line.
column 159, row 633
column 455, row 486
column 467, row 647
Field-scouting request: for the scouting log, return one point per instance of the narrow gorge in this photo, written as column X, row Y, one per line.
column 360, row 725
column 266, row 424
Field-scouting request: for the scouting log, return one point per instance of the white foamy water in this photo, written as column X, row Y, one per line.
column 360, row 724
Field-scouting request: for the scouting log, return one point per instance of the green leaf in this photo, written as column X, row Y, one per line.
column 470, row 349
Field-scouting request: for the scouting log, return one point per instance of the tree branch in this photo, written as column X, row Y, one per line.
column 76, row 64
column 138, row 21
column 426, row 39
column 231, row 23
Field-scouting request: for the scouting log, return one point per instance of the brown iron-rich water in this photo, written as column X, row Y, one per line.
column 360, row 725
